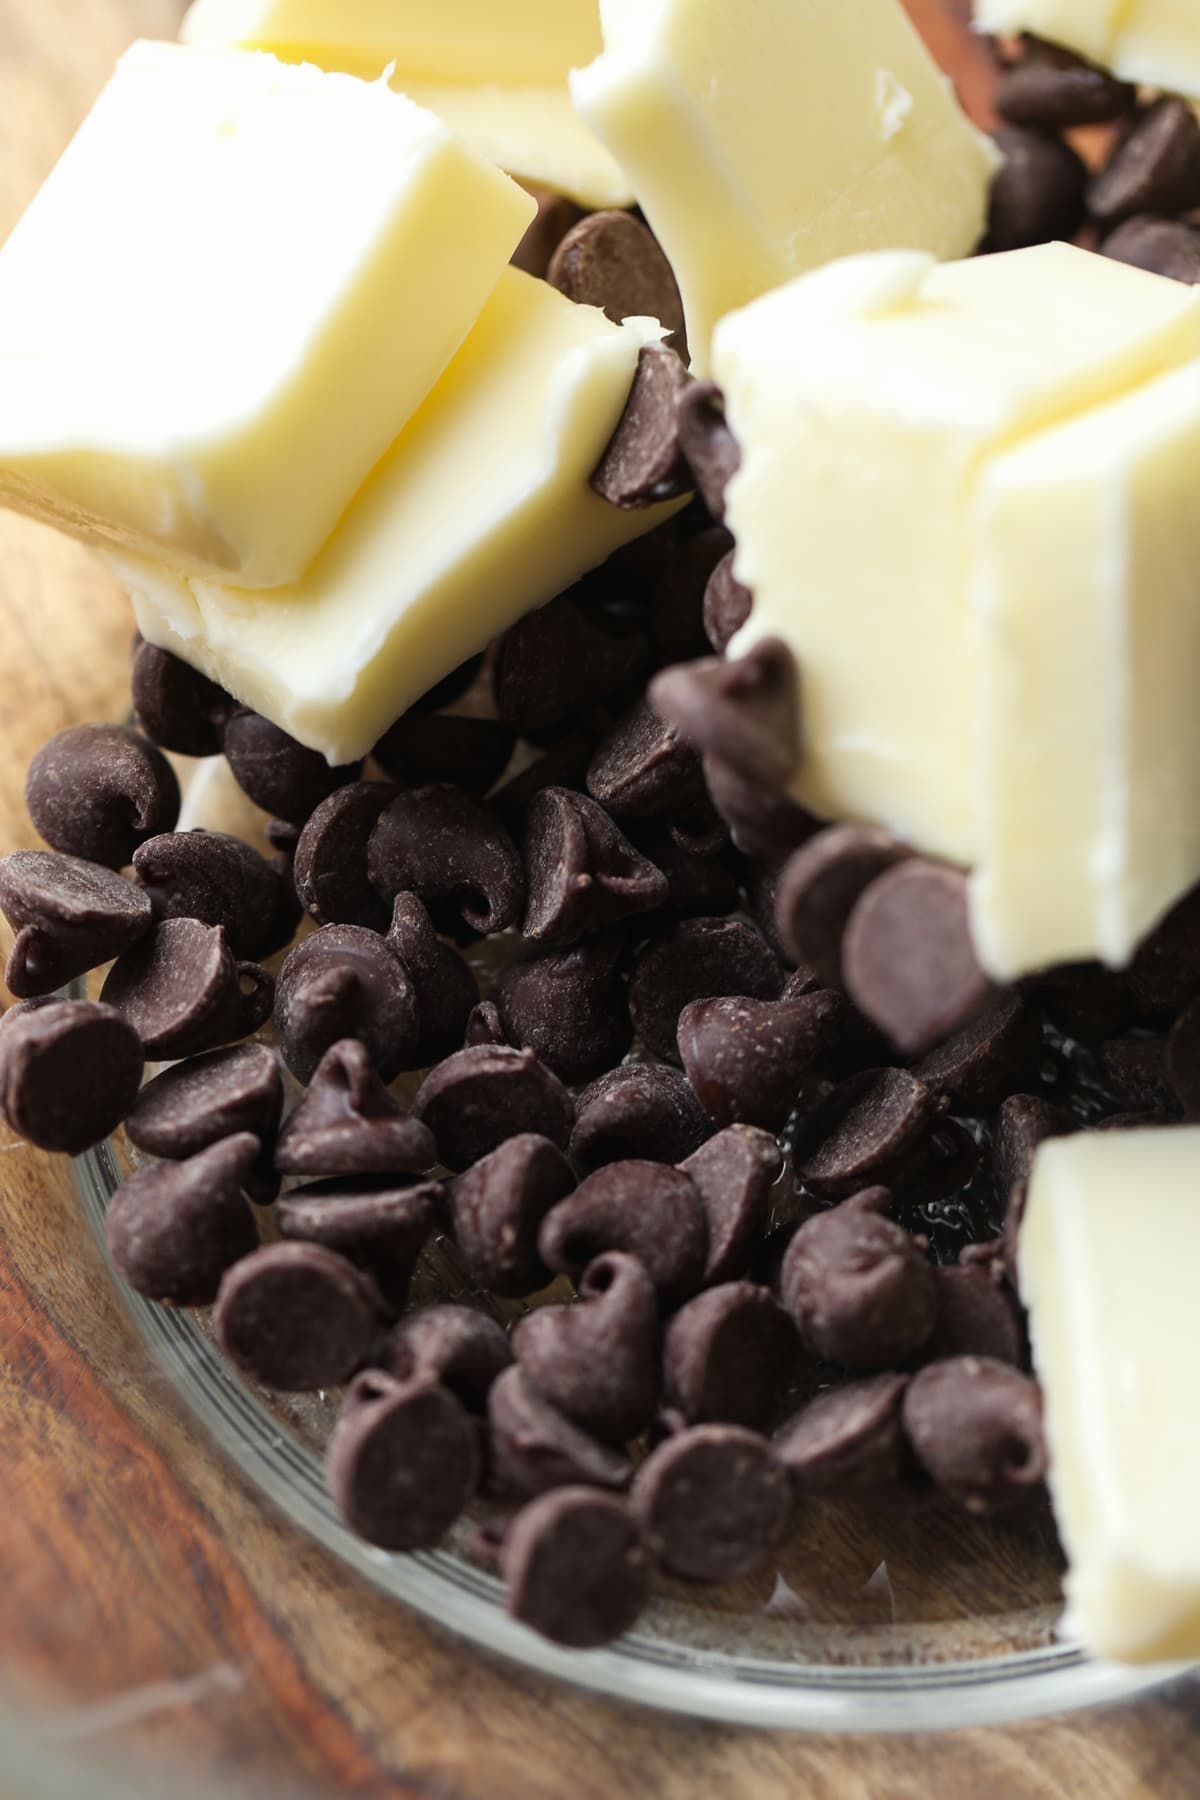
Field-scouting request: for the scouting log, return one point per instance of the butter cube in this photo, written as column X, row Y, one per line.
column 480, row 512
column 1152, row 41
column 239, row 283
column 764, row 140
column 935, row 587
column 1108, row 1258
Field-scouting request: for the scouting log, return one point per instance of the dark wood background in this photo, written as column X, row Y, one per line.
column 149, row 1601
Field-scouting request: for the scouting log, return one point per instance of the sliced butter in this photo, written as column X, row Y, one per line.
column 481, row 511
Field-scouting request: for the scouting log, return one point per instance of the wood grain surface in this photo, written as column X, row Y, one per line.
column 157, row 1619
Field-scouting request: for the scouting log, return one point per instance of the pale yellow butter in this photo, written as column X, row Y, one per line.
column 236, row 287
column 481, row 511
column 1108, row 1258
column 1152, row 41
column 931, row 585
column 764, row 140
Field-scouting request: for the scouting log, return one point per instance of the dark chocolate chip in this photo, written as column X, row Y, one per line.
column 479, row 1097
column 727, row 605
column 761, row 821
column 348, row 1124
column 582, row 872
column 1038, row 194
column 570, row 1006
column 976, row 1426
column 485, row 1026
column 452, row 850
column 380, row 1225
column 98, row 791
column 751, row 1061
column 713, row 1501
column 859, row 1131
column 534, row 1447
column 697, row 959
column 422, row 747
column 639, row 1111
column 296, row 1317
column 643, row 769
column 1023, row 1122
column 1054, row 91
column 848, row 1445
column 746, row 712
column 1183, row 1060
column 556, row 215
column 462, row 1349
column 282, row 776
column 451, row 687
column 647, row 1210
column 734, row 1174
column 446, row 990
column 822, row 883
column 402, row 1462
column 174, row 1230
column 182, row 990
column 708, row 444
column 497, row 1207
column 1134, row 1071
column 331, row 857
column 563, row 765
column 597, row 1361
column 643, row 464
column 728, row 1355
column 199, row 1102
column 1154, row 168
column 977, row 1315
column 565, row 663
column 700, row 884
column 984, row 1061
column 1163, row 246
column 69, row 916
column 69, row 1072
column 1084, row 1000
column 575, row 1568
column 675, row 610
column 858, row 1286
column 178, row 708
column 611, row 260
column 1165, row 973
column 219, row 880
column 345, row 982
column 908, row 956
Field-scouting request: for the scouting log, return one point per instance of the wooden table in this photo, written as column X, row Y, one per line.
column 148, row 1596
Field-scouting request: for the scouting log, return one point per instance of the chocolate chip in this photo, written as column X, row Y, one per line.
column 296, row 1317
column 941, row 1164
column 708, row 444
column 675, row 608
column 734, row 1174
column 762, row 822
column 380, row 1225
column 402, row 1462
column 1134, row 1070
column 639, row 1111
column 858, row 1286
column 908, row 957
column 1038, row 194
column 446, row 990
column 479, row 1097
column 178, row 708
column 497, row 1207
column 198, row 1102
column 98, row 791
column 565, row 663
column 174, row 1230
column 696, row 959
column 698, row 829
column 1023, row 1122
column 1183, row 1060
column 69, row 916
column 582, row 872
column 451, row 687
column 861, row 1130
column 556, row 215
column 1163, row 246
column 423, row 747
column 820, row 886
column 534, row 1447
column 1054, row 91
column 713, row 1501
column 279, row 774
column 611, row 260
column 976, row 1067
column 597, row 1361
column 456, row 1346
column 563, row 765
column 1165, row 973
column 727, row 1356
column 345, row 982
column 331, row 857
column 699, row 883
column 643, row 464
column 848, row 1445
column 744, row 712
column 1155, row 168
column 575, row 1568
column 219, row 880
column 485, row 1026
column 570, row 1006
column 451, row 849
column 348, row 1124
column 750, row 1061
column 976, row 1425
column 69, row 1072
column 977, row 1315
column 644, row 1209
column 727, row 605
column 182, row 990
column 1084, row 1000
column 642, row 768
